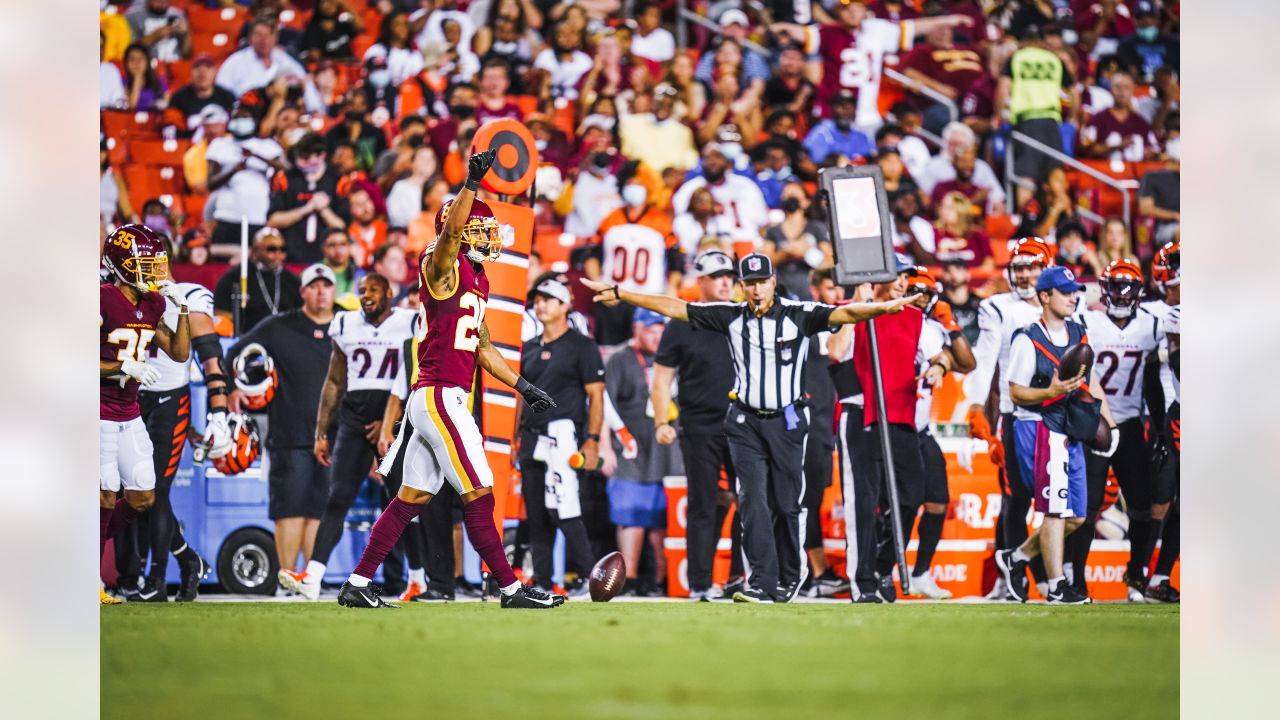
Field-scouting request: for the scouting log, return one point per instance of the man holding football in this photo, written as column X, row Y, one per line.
column 439, row 438
column 1051, row 421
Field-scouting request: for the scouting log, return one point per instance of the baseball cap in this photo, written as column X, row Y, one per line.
column 602, row 122
column 553, row 289
column 901, row 265
column 844, row 96
column 648, row 318
column 1058, row 278
column 319, row 271
column 756, row 266
column 734, row 16
column 1144, row 9
column 203, row 59
column 214, row 114
column 712, row 262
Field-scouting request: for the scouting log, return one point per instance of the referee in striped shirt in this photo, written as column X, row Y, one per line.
column 767, row 421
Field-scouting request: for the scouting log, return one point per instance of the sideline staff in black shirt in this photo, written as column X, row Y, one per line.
column 298, row 343
column 566, row 365
column 767, row 423
column 271, row 289
column 700, row 360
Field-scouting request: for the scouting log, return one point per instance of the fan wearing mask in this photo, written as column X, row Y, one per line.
column 308, row 200
column 240, row 168
column 636, row 249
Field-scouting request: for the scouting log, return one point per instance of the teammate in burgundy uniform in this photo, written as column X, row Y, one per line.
column 131, row 309
column 853, row 50
column 438, row 437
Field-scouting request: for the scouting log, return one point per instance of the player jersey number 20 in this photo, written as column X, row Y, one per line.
column 466, row 337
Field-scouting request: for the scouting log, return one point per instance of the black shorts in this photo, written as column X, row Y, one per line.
column 167, row 415
column 298, row 485
column 1132, row 465
column 935, row 470
column 907, row 464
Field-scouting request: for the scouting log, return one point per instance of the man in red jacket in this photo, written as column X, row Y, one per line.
column 897, row 337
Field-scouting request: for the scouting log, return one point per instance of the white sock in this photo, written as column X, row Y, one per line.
column 315, row 572
column 511, row 589
column 1054, row 582
column 1020, row 556
column 418, row 575
column 1156, row 580
column 358, row 581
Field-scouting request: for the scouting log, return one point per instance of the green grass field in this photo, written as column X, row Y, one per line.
column 639, row 660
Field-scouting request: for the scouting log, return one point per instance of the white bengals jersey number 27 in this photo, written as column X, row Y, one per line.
column 1120, row 355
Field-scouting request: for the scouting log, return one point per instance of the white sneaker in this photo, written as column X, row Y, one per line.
column 716, row 592
column 999, row 591
column 924, row 586
column 697, row 596
column 309, row 588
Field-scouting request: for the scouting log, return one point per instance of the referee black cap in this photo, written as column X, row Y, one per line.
column 756, row 266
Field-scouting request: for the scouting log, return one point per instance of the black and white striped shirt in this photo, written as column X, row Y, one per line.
column 769, row 351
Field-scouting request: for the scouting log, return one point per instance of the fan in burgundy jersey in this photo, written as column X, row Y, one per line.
column 439, row 440
column 853, row 50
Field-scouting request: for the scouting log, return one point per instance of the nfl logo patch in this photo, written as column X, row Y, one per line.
column 753, row 264
column 139, row 314
column 786, row 354
column 1070, row 275
column 546, row 355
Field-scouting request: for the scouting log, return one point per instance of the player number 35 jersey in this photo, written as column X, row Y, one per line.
column 447, row 355
column 125, row 332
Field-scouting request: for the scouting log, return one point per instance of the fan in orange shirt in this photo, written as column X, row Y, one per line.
column 368, row 227
column 636, row 251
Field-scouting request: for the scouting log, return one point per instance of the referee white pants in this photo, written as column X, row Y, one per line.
column 440, row 442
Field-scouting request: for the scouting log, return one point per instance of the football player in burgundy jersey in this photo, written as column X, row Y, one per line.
column 131, row 309
column 438, row 437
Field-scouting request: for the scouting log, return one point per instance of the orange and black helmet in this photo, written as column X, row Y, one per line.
column 244, row 445
column 1121, row 284
column 1166, row 269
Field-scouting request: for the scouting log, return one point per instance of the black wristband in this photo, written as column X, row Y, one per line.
column 617, row 295
column 593, row 436
column 955, row 335
column 220, row 390
column 472, row 184
column 521, row 385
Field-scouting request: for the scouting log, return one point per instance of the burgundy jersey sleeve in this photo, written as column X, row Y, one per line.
column 125, row 332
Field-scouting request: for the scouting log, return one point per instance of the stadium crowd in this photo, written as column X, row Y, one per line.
column 336, row 129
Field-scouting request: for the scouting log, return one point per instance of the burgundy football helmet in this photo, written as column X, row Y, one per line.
column 480, row 232
column 136, row 255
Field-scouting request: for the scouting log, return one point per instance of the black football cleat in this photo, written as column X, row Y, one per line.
column 869, row 598
column 527, row 596
column 1014, row 573
column 192, row 573
column 1165, row 592
column 1066, row 594
column 149, row 591
column 433, row 594
column 828, row 584
column 466, row 589
column 887, row 591
column 787, row 593
column 362, row 597
column 734, row 585
column 752, row 595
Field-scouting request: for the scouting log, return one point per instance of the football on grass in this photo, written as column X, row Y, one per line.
column 1076, row 357
column 608, row 577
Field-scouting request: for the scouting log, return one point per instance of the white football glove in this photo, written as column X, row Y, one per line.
column 140, row 371
column 217, row 434
column 964, row 456
column 1115, row 443
column 171, row 292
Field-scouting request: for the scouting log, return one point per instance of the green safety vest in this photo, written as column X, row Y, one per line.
column 1035, row 89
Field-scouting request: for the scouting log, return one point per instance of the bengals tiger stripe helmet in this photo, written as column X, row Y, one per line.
column 244, row 445
column 255, row 375
column 135, row 255
column 480, row 232
column 1166, row 269
column 920, row 281
column 1028, row 251
column 1121, row 285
